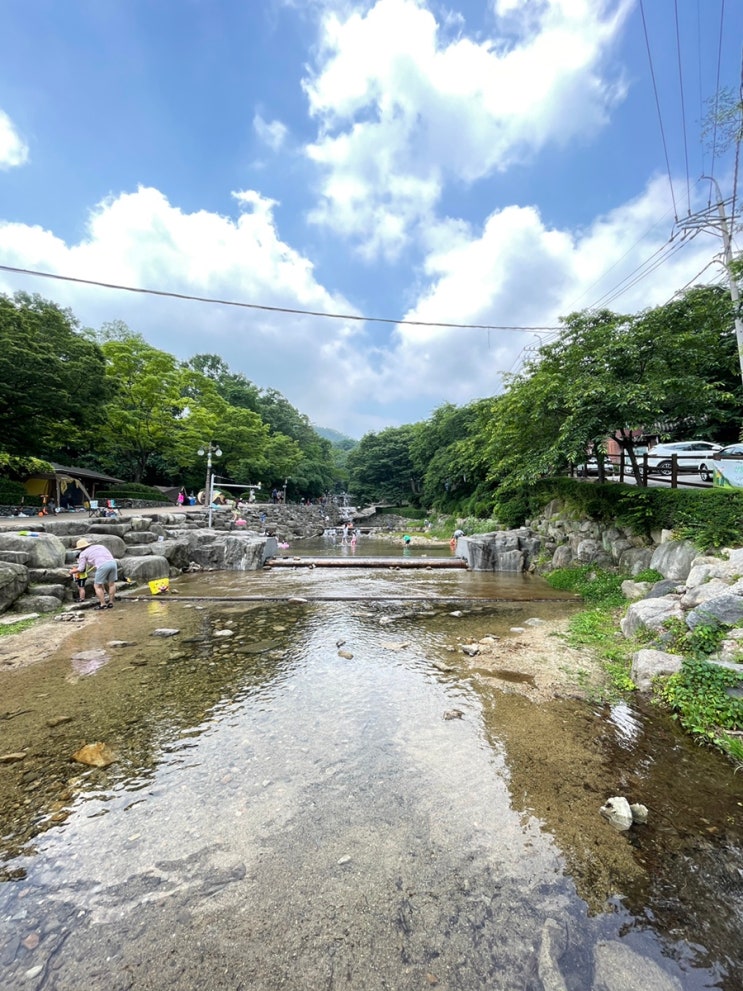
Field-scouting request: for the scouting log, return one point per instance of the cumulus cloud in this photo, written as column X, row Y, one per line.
column 404, row 105
column 13, row 149
column 512, row 270
column 516, row 271
column 140, row 239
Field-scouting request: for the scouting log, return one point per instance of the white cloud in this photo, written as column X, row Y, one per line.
column 13, row 149
column 403, row 108
column 140, row 239
column 272, row 133
column 516, row 271
column 513, row 270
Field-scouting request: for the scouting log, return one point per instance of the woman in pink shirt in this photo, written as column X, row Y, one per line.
column 100, row 560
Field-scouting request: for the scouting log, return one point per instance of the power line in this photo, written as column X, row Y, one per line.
column 683, row 104
column 268, row 309
column 657, row 106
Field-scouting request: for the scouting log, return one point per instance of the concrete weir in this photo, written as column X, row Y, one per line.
column 365, row 562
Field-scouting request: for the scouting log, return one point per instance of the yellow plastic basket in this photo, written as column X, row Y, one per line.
column 159, row 585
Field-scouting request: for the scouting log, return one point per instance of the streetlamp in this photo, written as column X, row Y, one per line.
column 208, row 450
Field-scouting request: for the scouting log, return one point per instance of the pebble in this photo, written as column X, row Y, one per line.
column 31, row 941
column 224, row 633
column 12, row 758
column 345, row 859
column 453, row 714
column 33, row 972
column 164, row 632
column 345, row 654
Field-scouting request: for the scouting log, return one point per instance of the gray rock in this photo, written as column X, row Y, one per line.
column 726, row 609
column 58, row 591
column 13, row 582
column 702, row 593
column 666, row 587
column 44, row 550
column 673, row 559
column 562, row 557
column 650, row 613
column 144, row 569
column 96, row 530
column 15, row 557
column 648, row 664
column 110, row 541
column 635, row 559
column 618, row 968
column 502, row 550
column 165, row 632
column 635, row 590
column 35, row 603
column 138, row 537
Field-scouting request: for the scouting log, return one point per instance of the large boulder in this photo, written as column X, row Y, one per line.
column 44, row 549
column 503, row 550
column 13, row 582
column 36, row 603
column 234, row 552
column 650, row 613
column 176, row 552
column 673, row 559
column 648, row 664
column 725, row 609
column 139, row 537
column 144, row 569
column 110, row 541
column 95, row 530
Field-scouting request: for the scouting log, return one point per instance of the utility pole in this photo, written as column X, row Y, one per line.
column 702, row 221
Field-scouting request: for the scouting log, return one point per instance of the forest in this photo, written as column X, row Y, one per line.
column 108, row 400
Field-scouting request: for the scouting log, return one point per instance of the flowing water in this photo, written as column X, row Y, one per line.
column 311, row 792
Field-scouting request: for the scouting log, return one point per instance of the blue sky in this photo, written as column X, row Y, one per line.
column 469, row 162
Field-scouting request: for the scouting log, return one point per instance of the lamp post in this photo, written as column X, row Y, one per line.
column 208, row 450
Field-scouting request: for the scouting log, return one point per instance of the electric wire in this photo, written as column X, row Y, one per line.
column 645, row 268
column 717, row 93
column 657, row 106
column 683, row 104
column 622, row 289
column 269, row 309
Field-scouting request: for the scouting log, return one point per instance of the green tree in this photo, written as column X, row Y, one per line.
column 52, row 381
column 381, row 467
column 147, row 414
column 670, row 369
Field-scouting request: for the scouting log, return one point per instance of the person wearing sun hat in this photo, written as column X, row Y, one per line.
column 97, row 558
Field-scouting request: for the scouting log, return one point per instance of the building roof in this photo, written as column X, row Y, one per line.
column 95, row 476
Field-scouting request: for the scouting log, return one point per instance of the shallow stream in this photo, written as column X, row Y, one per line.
column 313, row 791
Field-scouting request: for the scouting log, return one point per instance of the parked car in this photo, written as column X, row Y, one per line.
column 691, row 455
column 591, row 467
column 728, row 466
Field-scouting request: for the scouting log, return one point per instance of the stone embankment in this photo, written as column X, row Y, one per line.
column 36, row 553
column 696, row 589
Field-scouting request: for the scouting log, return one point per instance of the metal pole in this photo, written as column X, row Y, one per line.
column 211, row 496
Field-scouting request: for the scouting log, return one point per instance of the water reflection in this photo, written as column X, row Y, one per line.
column 291, row 808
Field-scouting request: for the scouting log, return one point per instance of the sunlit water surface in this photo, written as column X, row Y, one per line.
column 292, row 809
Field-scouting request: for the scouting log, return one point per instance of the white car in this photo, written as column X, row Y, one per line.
column 691, row 455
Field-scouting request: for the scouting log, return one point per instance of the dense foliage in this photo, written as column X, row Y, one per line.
column 109, row 401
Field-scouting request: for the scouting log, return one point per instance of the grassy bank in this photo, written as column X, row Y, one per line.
column 697, row 696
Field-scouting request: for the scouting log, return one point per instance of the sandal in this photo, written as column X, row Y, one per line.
column 101, row 607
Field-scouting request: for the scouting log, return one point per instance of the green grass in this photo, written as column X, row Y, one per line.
column 23, row 624
column 697, row 696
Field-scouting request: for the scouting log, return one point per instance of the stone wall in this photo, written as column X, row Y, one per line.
column 36, row 555
column 557, row 539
